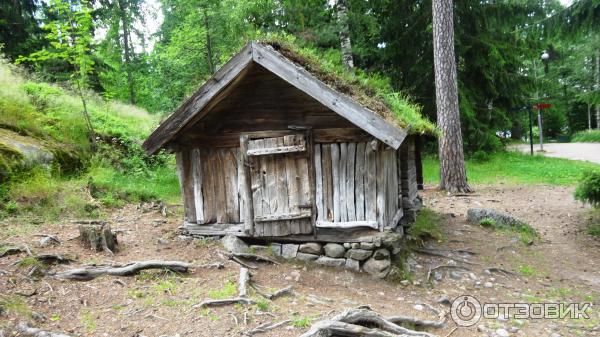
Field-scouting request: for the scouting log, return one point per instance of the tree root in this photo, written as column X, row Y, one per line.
column 446, row 266
column 266, row 327
column 15, row 250
column 89, row 273
column 402, row 320
column 353, row 322
column 283, row 291
column 227, row 301
column 25, row 329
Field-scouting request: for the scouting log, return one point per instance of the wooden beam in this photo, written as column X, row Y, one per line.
column 347, row 224
column 312, row 180
column 284, row 216
column 196, row 165
column 246, row 188
column 297, row 76
column 277, row 150
column 188, row 110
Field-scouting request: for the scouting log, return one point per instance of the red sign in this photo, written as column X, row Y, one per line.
column 542, row 106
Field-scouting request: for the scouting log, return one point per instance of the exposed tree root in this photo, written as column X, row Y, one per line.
column 444, row 266
column 15, row 250
column 266, row 327
column 227, row 301
column 401, row 320
column 89, row 273
column 25, row 329
column 283, row 291
column 500, row 271
column 361, row 321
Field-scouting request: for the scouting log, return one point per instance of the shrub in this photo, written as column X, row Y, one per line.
column 426, row 226
column 587, row 136
column 588, row 190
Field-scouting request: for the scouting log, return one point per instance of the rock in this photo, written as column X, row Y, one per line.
column 233, row 244
column 276, row 248
column 306, row 257
column 455, row 275
column 295, row 275
column 334, row 250
column 184, row 238
column 330, row 262
column 502, row 333
column 367, row 245
column 554, row 334
column 377, row 268
column 475, row 215
column 444, row 300
column 482, row 328
column 418, row 307
column 289, row 250
column 162, row 241
column 358, row 254
column 259, row 248
column 438, row 276
column 311, row 248
column 48, row 241
column 353, row 265
column 381, row 254
column 355, row 245
column 347, row 245
column 393, row 242
column 488, row 285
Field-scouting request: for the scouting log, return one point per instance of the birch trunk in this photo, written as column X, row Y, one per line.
column 452, row 165
column 346, row 45
column 127, row 49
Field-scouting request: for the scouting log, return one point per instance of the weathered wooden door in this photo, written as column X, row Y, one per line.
column 280, row 184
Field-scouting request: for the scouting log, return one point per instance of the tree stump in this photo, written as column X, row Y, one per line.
column 98, row 237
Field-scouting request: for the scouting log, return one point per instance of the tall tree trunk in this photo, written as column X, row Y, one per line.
column 209, row 56
column 346, row 44
column 126, row 49
column 452, row 164
column 598, row 87
column 589, row 106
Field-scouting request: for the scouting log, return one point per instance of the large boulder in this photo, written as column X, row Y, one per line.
column 334, row 250
column 311, row 248
column 233, row 244
column 475, row 215
column 306, row 257
column 289, row 250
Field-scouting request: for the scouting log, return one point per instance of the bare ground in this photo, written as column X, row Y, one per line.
column 560, row 267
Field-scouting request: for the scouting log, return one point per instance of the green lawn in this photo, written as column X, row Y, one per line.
column 515, row 168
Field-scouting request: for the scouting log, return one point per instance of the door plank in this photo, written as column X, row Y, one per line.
column 335, row 173
column 359, row 176
column 327, row 182
column 371, row 181
column 350, row 161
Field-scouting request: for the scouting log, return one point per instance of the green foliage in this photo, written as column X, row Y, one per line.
column 263, row 305
column 14, row 304
column 487, row 222
column 587, row 136
column 588, row 190
column 427, row 226
column 301, row 322
column 515, row 168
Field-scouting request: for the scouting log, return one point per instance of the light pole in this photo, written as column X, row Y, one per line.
column 545, row 57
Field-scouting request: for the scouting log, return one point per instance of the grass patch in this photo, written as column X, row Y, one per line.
column 587, row 136
column 227, row 291
column 302, row 322
column 427, row 226
column 516, row 168
column 15, row 305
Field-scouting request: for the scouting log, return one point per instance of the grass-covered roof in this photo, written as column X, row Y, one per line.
column 369, row 89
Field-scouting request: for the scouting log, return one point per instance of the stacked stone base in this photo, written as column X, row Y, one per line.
column 374, row 258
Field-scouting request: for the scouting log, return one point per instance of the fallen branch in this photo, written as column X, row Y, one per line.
column 227, row 301
column 89, row 273
column 249, row 256
column 265, row 327
column 27, row 330
column 216, row 265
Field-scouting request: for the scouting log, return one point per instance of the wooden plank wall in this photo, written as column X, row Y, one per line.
column 210, row 185
column 357, row 182
column 408, row 177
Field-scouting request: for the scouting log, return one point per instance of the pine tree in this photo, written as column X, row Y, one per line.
column 452, row 166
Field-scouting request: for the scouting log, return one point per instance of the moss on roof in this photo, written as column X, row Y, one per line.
column 371, row 90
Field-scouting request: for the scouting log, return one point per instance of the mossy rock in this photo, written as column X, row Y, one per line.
column 18, row 152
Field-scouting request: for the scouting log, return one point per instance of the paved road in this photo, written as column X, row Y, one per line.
column 575, row 151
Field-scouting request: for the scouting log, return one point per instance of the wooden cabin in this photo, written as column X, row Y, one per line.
column 267, row 149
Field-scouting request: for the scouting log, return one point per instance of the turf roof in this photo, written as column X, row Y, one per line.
column 370, row 90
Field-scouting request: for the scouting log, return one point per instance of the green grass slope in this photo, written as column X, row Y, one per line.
column 85, row 177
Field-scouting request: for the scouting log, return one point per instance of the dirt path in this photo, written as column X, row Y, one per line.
column 575, row 151
column 562, row 267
